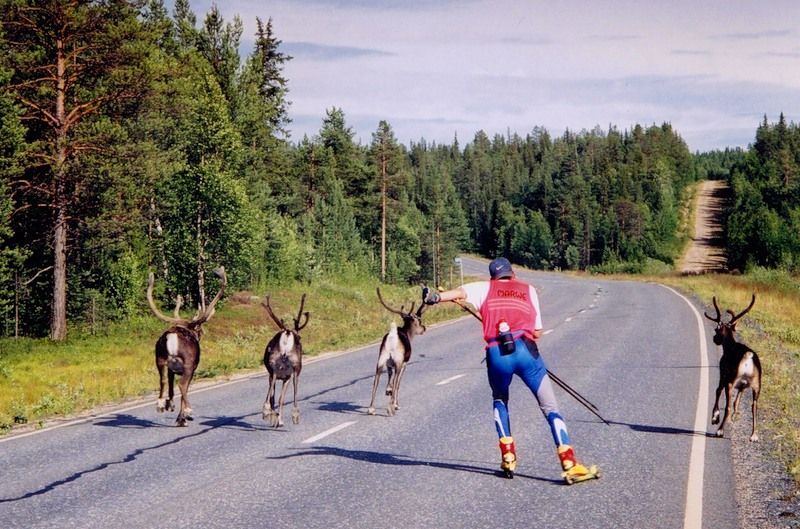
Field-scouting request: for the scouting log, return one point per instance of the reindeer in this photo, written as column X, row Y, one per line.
column 739, row 368
column 395, row 352
column 178, row 349
column 283, row 359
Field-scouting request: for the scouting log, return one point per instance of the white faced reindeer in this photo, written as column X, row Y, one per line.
column 178, row 349
column 283, row 359
column 395, row 353
column 739, row 368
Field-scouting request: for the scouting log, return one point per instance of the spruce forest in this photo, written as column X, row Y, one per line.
column 134, row 140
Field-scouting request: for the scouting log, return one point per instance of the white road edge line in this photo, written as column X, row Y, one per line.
column 328, row 432
column 235, row 379
column 693, row 515
column 448, row 380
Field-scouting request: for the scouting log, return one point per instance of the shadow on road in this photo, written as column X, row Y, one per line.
column 383, row 458
column 669, row 430
column 130, row 421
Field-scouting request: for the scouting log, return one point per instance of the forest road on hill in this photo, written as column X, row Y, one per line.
column 706, row 252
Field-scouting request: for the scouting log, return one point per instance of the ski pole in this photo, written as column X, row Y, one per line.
column 577, row 396
column 563, row 385
column 572, row 391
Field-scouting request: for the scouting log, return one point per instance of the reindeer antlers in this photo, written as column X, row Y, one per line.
column 387, row 307
column 745, row 311
column 201, row 317
column 205, row 315
column 160, row 315
column 299, row 322
column 734, row 317
column 716, row 320
column 300, row 314
column 400, row 312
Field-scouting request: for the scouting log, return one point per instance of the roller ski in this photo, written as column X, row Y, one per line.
column 508, row 454
column 575, row 472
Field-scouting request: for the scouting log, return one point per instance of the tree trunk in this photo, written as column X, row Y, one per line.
column 58, row 324
column 383, row 217
column 201, row 260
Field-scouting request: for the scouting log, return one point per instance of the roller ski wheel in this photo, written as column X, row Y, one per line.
column 507, row 468
column 508, row 462
column 579, row 473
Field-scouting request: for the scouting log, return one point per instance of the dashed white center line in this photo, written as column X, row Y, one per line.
column 328, row 432
column 448, row 380
column 569, row 319
column 548, row 331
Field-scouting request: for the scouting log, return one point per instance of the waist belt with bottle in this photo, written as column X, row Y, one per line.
column 505, row 341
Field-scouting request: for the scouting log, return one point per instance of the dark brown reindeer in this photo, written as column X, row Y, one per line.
column 739, row 368
column 283, row 359
column 395, row 352
column 178, row 349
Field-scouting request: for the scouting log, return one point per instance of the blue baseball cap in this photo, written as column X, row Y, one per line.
column 500, row 268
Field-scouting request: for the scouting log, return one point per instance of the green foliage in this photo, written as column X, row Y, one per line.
column 337, row 242
column 197, row 170
column 102, row 64
column 11, row 149
column 763, row 223
column 602, row 195
column 532, row 242
column 284, row 253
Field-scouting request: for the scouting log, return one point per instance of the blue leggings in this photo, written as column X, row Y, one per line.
column 527, row 364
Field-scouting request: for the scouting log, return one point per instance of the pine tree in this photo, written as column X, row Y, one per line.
column 218, row 42
column 386, row 159
column 72, row 63
column 201, row 203
column 11, row 150
column 349, row 166
column 260, row 113
column 185, row 25
column 268, row 63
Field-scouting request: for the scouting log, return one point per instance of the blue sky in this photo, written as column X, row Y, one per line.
column 435, row 69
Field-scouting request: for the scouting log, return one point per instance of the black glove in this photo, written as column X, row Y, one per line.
column 430, row 297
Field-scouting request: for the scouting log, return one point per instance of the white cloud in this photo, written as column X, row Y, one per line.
column 436, row 68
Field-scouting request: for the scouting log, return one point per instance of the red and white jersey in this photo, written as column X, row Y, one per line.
column 513, row 301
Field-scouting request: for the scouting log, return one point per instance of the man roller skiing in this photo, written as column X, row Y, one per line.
column 512, row 323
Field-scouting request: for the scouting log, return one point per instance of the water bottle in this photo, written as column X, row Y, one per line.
column 505, row 338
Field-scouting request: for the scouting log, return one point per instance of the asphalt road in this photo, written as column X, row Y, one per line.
column 633, row 349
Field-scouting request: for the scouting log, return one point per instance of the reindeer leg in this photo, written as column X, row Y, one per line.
column 396, row 389
column 295, row 407
column 186, row 410
column 390, row 373
column 171, row 399
column 754, row 408
column 735, row 414
column 269, row 403
column 378, row 371
column 721, row 430
column 390, row 386
column 284, row 387
column 715, row 411
column 161, row 403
